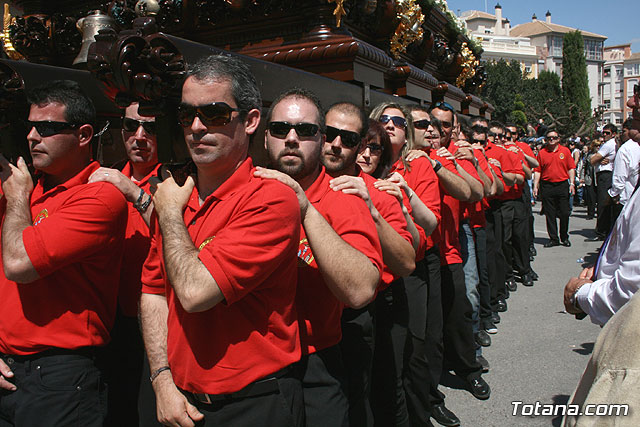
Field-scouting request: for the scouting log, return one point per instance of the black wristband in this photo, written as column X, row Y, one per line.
column 157, row 372
column 437, row 167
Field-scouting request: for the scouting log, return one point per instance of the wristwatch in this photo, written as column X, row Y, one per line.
column 437, row 167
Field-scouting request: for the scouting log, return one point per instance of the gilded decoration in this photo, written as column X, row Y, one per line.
column 469, row 65
column 6, row 41
column 409, row 29
column 339, row 11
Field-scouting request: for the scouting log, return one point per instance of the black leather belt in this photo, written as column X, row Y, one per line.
column 257, row 388
column 88, row 352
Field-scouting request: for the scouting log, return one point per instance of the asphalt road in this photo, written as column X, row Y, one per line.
column 540, row 351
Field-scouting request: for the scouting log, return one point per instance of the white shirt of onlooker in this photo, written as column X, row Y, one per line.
column 608, row 151
column 625, row 171
column 618, row 275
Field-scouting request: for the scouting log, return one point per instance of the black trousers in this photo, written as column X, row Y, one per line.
column 495, row 256
column 357, row 346
column 458, row 339
column 434, row 347
column 526, row 200
column 123, row 363
column 590, row 199
column 54, row 388
column 515, row 237
column 392, row 323
column 484, row 287
column 555, row 202
column 324, row 388
column 281, row 407
column 605, row 215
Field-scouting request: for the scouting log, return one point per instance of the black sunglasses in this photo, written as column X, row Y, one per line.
column 398, row 121
column 480, row 129
column 132, row 125
column 478, row 141
column 441, row 105
column 553, row 138
column 47, row 128
column 374, row 148
column 493, row 134
column 282, row 129
column 214, row 114
column 421, row 124
column 349, row 139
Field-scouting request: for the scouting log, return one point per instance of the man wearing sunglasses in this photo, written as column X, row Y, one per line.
column 555, row 181
column 125, row 353
column 339, row 257
column 346, row 125
column 603, row 161
column 62, row 242
column 217, row 305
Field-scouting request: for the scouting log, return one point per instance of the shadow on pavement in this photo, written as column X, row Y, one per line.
column 453, row 381
column 559, row 399
column 587, row 348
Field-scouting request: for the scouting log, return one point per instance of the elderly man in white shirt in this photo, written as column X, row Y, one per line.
column 625, row 167
column 600, row 291
column 603, row 162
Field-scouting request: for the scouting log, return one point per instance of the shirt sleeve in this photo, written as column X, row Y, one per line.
column 262, row 235
column 620, row 174
column 152, row 273
column 90, row 219
column 619, row 269
column 426, row 186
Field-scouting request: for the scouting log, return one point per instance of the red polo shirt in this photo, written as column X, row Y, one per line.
column 474, row 212
column 555, row 165
column 390, row 209
column 508, row 163
column 75, row 244
column 247, row 233
column 136, row 248
column 422, row 179
column 319, row 310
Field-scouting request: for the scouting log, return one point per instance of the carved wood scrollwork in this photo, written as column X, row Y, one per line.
column 138, row 65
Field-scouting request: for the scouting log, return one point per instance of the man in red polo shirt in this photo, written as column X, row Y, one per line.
column 218, row 316
column 340, row 259
column 62, row 245
column 555, row 181
column 125, row 359
column 346, row 123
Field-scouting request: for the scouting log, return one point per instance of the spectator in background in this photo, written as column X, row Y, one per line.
column 603, row 162
column 625, row 170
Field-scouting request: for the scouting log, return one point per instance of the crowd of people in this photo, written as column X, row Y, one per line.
column 333, row 286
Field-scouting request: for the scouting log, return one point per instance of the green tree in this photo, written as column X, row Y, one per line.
column 504, row 82
column 518, row 115
column 575, row 83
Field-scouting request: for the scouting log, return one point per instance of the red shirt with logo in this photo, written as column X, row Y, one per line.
column 247, row 234
column 75, row 244
column 555, row 165
column 319, row 310
column 390, row 209
column 136, row 247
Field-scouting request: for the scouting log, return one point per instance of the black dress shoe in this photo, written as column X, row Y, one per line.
column 534, row 276
column 566, row 243
column 511, row 285
column 489, row 326
column 551, row 243
column 495, row 318
column 444, row 416
column 598, row 238
column 484, row 363
column 482, row 338
column 532, row 251
column 479, row 388
column 527, row 280
column 501, row 306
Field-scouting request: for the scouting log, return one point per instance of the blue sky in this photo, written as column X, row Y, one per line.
column 619, row 20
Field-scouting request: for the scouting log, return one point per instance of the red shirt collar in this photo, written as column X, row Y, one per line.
column 80, row 178
column 319, row 187
column 127, row 171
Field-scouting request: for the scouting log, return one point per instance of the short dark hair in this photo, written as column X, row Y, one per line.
column 476, row 119
column 79, row 108
column 244, row 87
column 297, row 92
column 551, row 130
column 353, row 109
column 610, row 126
column 628, row 124
column 497, row 125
